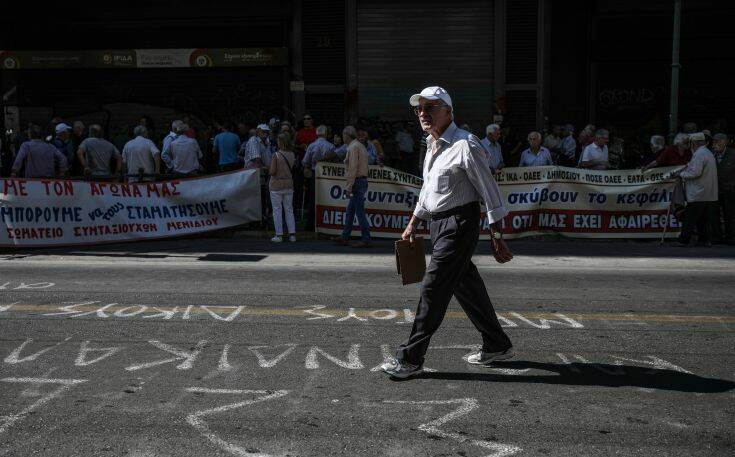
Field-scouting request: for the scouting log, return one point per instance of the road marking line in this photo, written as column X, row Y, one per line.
column 89, row 309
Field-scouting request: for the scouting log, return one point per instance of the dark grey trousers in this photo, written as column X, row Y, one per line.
column 451, row 272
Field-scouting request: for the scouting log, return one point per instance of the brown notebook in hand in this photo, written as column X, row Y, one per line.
column 410, row 260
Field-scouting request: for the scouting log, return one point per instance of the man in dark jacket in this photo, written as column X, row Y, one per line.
column 725, row 158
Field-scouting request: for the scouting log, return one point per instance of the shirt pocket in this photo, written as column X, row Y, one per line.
column 443, row 181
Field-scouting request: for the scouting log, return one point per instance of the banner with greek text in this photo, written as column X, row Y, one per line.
column 47, row 212
column 568, row 201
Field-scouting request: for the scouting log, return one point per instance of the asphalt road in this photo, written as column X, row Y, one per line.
column 238, row 347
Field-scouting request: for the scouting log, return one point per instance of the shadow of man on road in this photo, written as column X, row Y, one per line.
column 590, row 374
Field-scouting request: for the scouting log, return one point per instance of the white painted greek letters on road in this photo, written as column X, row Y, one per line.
column 7, row 420
column 196, row 419
column 466, row 405
column 187, row 358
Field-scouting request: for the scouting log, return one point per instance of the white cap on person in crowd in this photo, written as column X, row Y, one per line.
column 431, row 93
column 264, row 127
column 699, row 136
column 62, row 127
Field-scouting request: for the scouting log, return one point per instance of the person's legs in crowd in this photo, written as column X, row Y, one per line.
column 359, row 191
column 728, row 214
column 288, row 210
column 349, row 220
column 715, row 221
column 703, row 223
column 277, row 202
column 309, row 202
column 692, row 214
column 230, row 167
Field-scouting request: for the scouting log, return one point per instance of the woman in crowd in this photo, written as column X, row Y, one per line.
column 281, row 188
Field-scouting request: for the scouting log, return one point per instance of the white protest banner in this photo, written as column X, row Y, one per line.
column 569, row 201
column 48, row 212
column 391, row 197
column 588, row 203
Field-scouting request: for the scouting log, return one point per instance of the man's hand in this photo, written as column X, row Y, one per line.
column 408, row 233
column 501, row 252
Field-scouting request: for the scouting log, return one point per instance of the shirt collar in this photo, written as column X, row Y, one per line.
column 447, row 136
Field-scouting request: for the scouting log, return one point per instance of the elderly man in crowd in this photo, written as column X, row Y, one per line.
column 96, row 153
column 256, row 151
column 319, row 150
column 356, row 189
column 305, row 135
column 568, row 147
column 700, row 183
column 38, row 159
column 364, row 138
column 536, row 155
column 183, row 155
column 226, row 146
column 493, row 148
column 725, row 205
column 595, row 154
column 552, row 142
column 678, row 154
column 405, row 144
column 78, row 133
column 140, row 156
column 176, row 131
column 63, row 142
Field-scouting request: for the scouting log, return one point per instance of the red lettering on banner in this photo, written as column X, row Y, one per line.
column 59, row 188
column 164, row 190
column 17, row 186
column 152, row 188
column 586, row 221
column 95, row 189
column 28, row 233
column 174, row 191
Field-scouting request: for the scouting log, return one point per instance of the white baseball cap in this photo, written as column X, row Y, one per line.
column 62, row 127
column 699, row 136
column 431, row 93
column 264, row 127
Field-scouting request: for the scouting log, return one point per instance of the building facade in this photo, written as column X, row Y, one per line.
column 536, row 62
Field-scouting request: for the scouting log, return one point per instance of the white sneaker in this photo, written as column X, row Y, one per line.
column 276, row 239
column 401, row 370
column 292, row 238
column 487, row 358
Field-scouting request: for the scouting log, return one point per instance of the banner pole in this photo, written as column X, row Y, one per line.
column 666, row 227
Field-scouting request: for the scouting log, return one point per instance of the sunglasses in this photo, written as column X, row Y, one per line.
column 307, row 118
column 427, row 108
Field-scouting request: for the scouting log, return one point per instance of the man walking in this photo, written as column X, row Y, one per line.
column 700, row 183
column 457, row 177
column 356, row 188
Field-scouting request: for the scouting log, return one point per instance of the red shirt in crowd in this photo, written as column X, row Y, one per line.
column 305, row 136
column 670, row 157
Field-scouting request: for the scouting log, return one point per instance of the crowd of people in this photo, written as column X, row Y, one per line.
column 288, row 154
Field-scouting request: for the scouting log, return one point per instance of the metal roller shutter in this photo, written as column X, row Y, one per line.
column 403, row 46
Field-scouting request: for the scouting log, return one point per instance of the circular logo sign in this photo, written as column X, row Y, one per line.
column 10, row 63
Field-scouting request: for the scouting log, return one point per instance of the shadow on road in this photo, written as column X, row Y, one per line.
column 539, row 247
column 594, row 374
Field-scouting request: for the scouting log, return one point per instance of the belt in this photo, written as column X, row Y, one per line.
column 469, row 208
column 360, row 177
